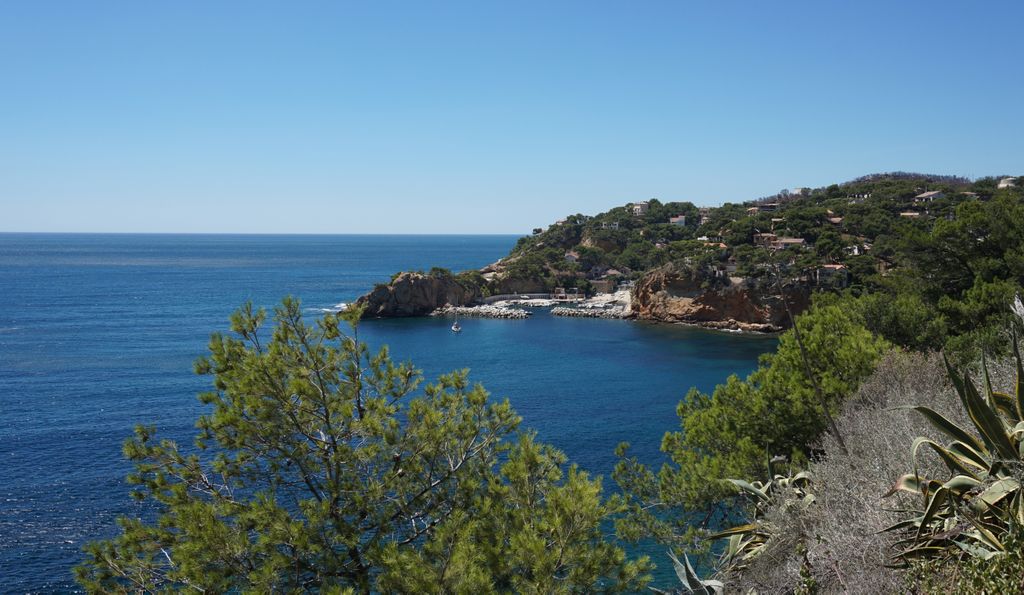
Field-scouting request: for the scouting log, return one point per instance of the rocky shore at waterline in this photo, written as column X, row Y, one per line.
column 617, row 313
column 485, row 311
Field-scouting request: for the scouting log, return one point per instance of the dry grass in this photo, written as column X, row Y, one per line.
column 837, row 543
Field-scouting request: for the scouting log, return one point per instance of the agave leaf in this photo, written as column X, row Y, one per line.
column 925, row 551
column 933, row 509
column 749, row 528
column 746, row 486
column 957, row 380
column 953, row 461
column 949, row 428
column 681, row 571
column 976, row 550
column 960, row 484
column 1020, row 377
column 987, row 379
column 970, row 456
column 997, row 491
column 983, row 535
column 913, row 483
column 988, row 422
column 1004, row 404
column 688, row 577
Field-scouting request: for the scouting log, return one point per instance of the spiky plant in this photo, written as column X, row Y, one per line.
column 745, row 542
column 689, row 582
column 973, row 510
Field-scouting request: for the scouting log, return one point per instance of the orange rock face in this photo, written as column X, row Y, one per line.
column 674, row 294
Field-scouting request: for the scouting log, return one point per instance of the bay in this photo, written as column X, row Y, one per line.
column 98, row 333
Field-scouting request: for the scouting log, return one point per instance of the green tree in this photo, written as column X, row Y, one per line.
column 734, row 431
column 318, row 470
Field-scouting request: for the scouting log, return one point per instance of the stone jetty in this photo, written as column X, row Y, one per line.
column 491, row 311
column 590, row 312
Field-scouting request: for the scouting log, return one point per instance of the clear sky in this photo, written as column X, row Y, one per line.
column 482, row 117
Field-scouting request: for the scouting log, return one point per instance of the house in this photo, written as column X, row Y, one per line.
column 764, row 239
column 678, row 220
column 800, row 192
column 705, row 215
column 929, row 196
column 1006, row 183
column 832, row 274
column 614, row 225
column 719, row 245
column 572, row 256
column 639, row 208
column 753, row 210
column 783, row 243
column 835, row 220
column 768, row 207
column 910, row 214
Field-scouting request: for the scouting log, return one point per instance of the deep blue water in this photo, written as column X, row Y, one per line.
column 98, row 333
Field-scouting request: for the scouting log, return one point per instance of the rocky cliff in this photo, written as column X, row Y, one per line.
column 679, row 294
column 416, row 294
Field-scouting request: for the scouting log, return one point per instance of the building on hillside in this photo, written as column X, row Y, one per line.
column 769, row 207
column 910, row 214
column 832, row 274
column 835, row 220
column 1006, row 183
column 705, row 215
column 783, row 243
column 613, row 225
column 800, row 192
column 678, row 220
column 764, row 239
column 753, row 210
column 639, row 208
column 929, row 196
column 572, row 256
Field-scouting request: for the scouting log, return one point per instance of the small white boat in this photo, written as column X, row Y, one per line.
column 456, row 328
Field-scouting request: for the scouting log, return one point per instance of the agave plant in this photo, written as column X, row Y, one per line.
column 973, row 510
column 690, row 583
column 747, row 541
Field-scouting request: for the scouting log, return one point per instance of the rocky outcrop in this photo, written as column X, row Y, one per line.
column 677, row 294
column 416, row 294
column 486, row 311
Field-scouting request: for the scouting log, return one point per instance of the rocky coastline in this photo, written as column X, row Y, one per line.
column 669, row 294
column 678, row 294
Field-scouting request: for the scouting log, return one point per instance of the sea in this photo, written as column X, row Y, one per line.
column 98, row 333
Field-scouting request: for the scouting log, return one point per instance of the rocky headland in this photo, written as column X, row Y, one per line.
column 679, row 294
column 417, row 294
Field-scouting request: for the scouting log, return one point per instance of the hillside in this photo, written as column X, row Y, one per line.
column 865, row 235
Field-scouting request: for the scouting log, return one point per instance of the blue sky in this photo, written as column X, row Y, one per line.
column 481, row 117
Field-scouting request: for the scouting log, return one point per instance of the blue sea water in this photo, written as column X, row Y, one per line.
column 98, row 333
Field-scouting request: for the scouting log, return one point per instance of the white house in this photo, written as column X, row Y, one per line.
column 639, row 208
column 1007, row 183
column 929, row 196
column 678, row 220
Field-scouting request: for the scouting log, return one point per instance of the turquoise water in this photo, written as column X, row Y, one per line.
column 98, row 333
